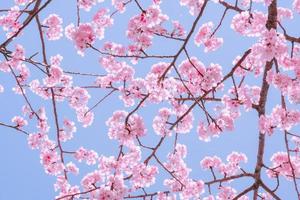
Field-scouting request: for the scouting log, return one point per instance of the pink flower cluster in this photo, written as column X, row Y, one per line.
column 22, row 2
column 199, row 77
column 230, row 168
column 279, row 118
column 193, row 5
column 9, row 22
column 53, row 26
column 281, row 165
column 19, row 121
column 296, row 5
column 187, row 188
column 249, row 25
column 89, row 156
column 85, row 34
column 271, row 45
column 16, row 63
column 119, row 5
column 125, row 131
column 142, row 27
column 67, row 132
column 204, row 36
column 87, row 4
column 287, row 85
column 161, row 120
column 101, row 21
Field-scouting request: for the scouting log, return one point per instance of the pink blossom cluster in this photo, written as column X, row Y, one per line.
column 19, row 121
column 160, row 121
column 53, row 26
column 119, row 5
column 193, row 5
column 205, row 36
column 22, row 2
column 284, row 13
column 89, row 156
column 180, row 182
column 77, row 97
column 17, row 65
column 160, row 90
column 125, row 129
column 283, row 165
column 271, row 45
column 100, row 22
column 249, row 25
column 286, row 85
column 279, row 118
column 141, row 28
column 87, row 4
column 230, row 168
column 199, row 77
column 10, row 22
column 67, row 132
column 85, row 34
column 296, row 5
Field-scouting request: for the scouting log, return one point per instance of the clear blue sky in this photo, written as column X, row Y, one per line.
column 22, row 175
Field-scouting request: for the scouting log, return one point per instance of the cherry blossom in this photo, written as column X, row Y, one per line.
column 53, row 27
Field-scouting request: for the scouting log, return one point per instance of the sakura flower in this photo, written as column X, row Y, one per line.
column 144, row 176
column 53, row 26
column 193, row 5
column 101, row 21
column 210, row 162
column 124, row 128
column 19, row 121
column 87, row 4
column 296, row 5
column 71, row 167
column 10, row 22
column 82, row 36
column 90, row 156
column 22, row 2
column 204, row 36
column 159, row 122
column 248, row 25
column 271, row 44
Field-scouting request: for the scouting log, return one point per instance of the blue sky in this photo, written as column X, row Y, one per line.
column 22, row 175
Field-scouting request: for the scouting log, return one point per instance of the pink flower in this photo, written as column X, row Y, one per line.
column 236, row 157
column 119, row 5
column 210, row 162
column 296, row 5
column 101, row 21
column 204, row 36
column 19, row 121
column 53, row 27
column 125, row 131
column 87, row 4
column 159, row 122
column 10, row 22
column 22, row 2
column 83, row 36
column 271, row 45
column 248, row 25
column 265, row 125
column 90, row 156
column 144, row 176
column 193, row 5
column 71, row 167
